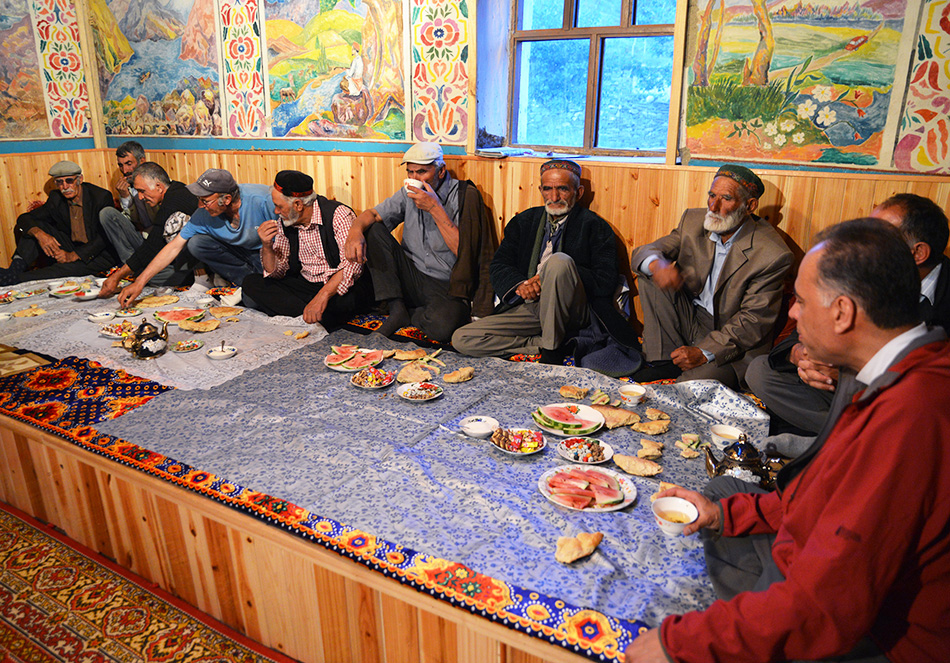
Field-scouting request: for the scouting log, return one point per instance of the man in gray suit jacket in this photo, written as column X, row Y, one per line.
column 711, row 290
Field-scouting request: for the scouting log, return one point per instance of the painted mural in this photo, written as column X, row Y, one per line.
column 335, row 68
column 158, row 66
column 805, row 82
column 243, row 69
column 924, row 143
column 22, row 108
column 67, row 99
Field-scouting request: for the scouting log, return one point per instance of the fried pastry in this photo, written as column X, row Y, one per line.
column 655, row 415
column 637, row 466
column 614, row 417
column 570, row 391
column 461, row 375
column 570, row 549
column 657, row 427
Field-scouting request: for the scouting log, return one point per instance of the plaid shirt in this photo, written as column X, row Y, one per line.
column 313, row 261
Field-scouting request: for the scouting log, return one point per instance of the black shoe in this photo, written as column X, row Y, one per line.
column 11, row 275
column 657, row 370
column 554, row 357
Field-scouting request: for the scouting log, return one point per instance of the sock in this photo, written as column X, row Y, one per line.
column 657, row 370
column 398, row 318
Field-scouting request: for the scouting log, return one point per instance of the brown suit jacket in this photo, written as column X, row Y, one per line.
column 748, row 295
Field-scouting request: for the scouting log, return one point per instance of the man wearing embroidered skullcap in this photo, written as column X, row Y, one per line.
column 437, row 278
column 711, row 290
column 222, row 233
column 305, row 270
column 62, row 237
column 555, row 269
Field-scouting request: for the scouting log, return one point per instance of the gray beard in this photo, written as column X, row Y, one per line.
column 556, row 211
column 719, row 224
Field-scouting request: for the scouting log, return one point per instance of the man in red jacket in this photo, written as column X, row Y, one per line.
column 859, row 566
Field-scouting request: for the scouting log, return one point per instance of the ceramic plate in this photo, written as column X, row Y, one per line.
column 128, row 312
column 23, row 294
column 117, row 329
column 217, row 352
column 577, row 449
column 343, row 369
column 101, row 316
column 521, row 433
column 418, row 392
column 627, row 487
column 86, row 295
column 372, row 378
column 187, row 346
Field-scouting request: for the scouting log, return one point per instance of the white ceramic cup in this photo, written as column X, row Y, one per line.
column 724, row 435
column 631, row 394
column 409, row 181
column 668, row 511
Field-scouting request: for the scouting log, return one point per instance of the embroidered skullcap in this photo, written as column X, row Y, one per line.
column 293, row 183
column 745, row 177
column 563, row 164
column 213, row 180
column 65, row 169
column 423, row 154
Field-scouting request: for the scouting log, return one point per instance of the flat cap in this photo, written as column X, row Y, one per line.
column 213, row 180
column 65, row 169
column 293, row 183
column 423, row 153
column 745, row 177
column 561, row 164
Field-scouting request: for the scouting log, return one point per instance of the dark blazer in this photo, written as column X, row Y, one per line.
column 54, row 214
column 177, row 199
column 588, row 240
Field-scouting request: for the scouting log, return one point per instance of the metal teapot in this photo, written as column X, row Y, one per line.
column 741, row 460
column 147, row 342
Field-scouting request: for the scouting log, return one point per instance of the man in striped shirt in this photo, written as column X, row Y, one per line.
column 305, row 270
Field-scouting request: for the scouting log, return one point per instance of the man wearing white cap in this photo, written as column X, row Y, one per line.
column 65, row 228
column 438, row 276
column 222, row 233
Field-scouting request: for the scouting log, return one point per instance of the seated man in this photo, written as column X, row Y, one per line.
column 711, row 290
column 173, row 204
column 438, row 277
column 798, row 389
column 552, row 263
column 856, row 565
column 65, row 228
column 222, row 234
column 130, row 225
column 305, row 272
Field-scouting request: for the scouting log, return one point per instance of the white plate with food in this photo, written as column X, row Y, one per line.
column 66, row 291
column 23, row 294
column 353, row 361
column 221, row 352
column 568, row 419
column 587, row 488
column 518, row 441
column 86, row 295
column 101, row 316
column 418, row 392
column 128, row 312
column 585, row 450
column 373, row 378
column 117, row 329
column 186, row 346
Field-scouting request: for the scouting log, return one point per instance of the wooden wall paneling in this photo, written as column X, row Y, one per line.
column 287, row 583
column 475, row 647
column 400, row 631
column 332, row 601
column 439, row 640
column 19, row 483
column 362, row 609
column 178, row 529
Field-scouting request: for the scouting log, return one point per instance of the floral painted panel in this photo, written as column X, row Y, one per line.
column 243, row 68
column 66, row 94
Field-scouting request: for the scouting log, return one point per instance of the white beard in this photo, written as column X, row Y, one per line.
column 559, row 209
column 720, row 224
column 292, row 219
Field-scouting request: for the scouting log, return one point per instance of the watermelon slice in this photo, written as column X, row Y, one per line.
column 364, row 359
column 563, row 417
column 337, row 359
column 571, row 501
column 563, row 480
column 344, row 349
column 176, row 315
column 604, row 496
column 575, row 492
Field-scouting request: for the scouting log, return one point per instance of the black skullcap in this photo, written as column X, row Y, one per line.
column 293, row 183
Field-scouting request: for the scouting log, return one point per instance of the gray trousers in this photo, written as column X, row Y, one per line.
column 787, row 396
column 744, row 564
column 527, row 328
column 126, row 239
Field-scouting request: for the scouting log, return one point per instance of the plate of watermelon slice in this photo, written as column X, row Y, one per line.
column 568, row 419
column 350, row 358
column 587, row 489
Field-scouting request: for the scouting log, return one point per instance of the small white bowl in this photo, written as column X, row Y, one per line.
column 673, row 514
column 631, row 394
column 5, row 315
column 724, row 435
column 87, row 294
column 478, row 426
column 409, row 181
column 218, row 352
column 101, row 316
column 205, row 302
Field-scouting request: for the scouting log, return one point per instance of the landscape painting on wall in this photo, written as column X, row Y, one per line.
column 22, row 109
column 335, row 68
column 800, row 82
column 158, row 66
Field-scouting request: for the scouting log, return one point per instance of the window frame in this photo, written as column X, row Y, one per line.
column 596, row 37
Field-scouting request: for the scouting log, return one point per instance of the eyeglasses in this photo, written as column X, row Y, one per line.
column 62, row 181
column 208, row 202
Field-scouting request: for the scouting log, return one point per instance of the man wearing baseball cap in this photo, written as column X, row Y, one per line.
column 65, row 229
column 711, row 290
column 222, row 233
column 438, row 276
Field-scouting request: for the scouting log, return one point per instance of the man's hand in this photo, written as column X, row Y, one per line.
column 314, row 311
column 530, row 290
column 355, row 247
column 425, row 199
column 48, row 243
column 67, row 256
column 122, row 186
column 666, row 275
column 646, row 649
column 814, row 373
column 709, row 514
column 267, row 231
column 129, row 293
column 110, row 285
column 687, row 357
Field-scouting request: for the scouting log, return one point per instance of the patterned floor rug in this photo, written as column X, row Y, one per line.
column 60, row 603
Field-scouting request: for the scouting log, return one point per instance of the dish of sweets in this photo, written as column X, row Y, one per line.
column 349, row 358
column 568, row 419
column 518, row 441
column 585, row 450
column 373, row 378
column 419, row 391
column 23, row 294
column 117, row 329
column 186, row 346
column 6, row 297
column 587, row 489
column 128, row 312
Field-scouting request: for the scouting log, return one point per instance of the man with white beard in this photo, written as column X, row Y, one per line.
column 711, row 290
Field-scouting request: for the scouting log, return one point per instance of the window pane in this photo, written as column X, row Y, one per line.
column 596, row 13
column 542, row 14
column 652, row 12
column 635, row 93
column 552, row 92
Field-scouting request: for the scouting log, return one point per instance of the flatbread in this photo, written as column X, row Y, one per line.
column 689, row 453
column 31, row 312
column 570, row 391
column 663, row 486
column 202, row 326
column 300, row 335
column 637, row 466
column 157, row 301
column 614, row 417
column 652, row 427
column 650, row 450
column 461, row 375
column 225, row 311
column 655, row 415
column 409, row 355
column 414, row 372
column 571, row 549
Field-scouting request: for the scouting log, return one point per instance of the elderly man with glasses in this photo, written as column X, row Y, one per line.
column 62, row 237
column 222, row 233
